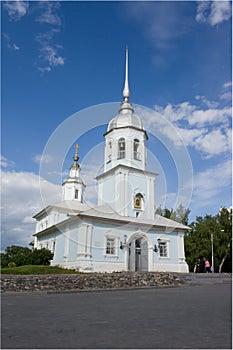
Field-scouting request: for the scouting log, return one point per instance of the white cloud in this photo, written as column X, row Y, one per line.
column 213, row 12
column 211, row 182
column 49, row 13
column 176, row 112
column 206, row 130
column 11, row 45
column 43, row 158
column 220, row 12
column 5, row 163
column 44, row 69
column 227, row 92
column 226, row 96
column 227, row 85
column 16, row 9
column 21, row 199
column 51, row 56
column 189, row 136
column 209, row 104
column 49, row 52
column 160, row 23
column 210, row 116
column 203, row 9
column 213, row 143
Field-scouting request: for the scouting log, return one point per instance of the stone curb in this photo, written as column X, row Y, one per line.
column 105, row 281
column 87, row 282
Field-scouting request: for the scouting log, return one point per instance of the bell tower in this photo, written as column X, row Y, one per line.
column 73, row 187
column 125, row 184
column 125, row 139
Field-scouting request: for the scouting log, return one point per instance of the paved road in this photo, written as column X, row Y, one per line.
column 191, row 316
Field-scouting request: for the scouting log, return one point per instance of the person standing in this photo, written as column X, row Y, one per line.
column 207, row 266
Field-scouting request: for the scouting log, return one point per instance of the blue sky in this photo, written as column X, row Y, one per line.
column 59, row 58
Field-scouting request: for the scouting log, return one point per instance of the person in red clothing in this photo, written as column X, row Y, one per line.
column 207, row 266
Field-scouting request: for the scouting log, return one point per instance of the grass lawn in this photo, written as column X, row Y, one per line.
column 36, row 270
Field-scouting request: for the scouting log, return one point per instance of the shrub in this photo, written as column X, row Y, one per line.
column 12, row 264
column 41, row 256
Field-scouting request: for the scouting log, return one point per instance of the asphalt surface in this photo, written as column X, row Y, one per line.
column 194, row 316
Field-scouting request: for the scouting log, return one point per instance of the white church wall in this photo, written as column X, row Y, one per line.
column 108, row 195
column 82, row 245
column 59, row 248
column 137, row 183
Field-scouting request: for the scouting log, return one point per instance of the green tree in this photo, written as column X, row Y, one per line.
column 198, row 241
column 17, row 254
column 180, row 214
column 225, row 238
column 24, row 256
column 41, row 256
column 4, row 260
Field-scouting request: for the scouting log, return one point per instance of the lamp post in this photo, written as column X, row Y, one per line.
column 212, row 252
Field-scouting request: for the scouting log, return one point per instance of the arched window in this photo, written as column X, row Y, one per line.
column 138, row 201
column 121, row 148
column 109, row 152
column 136, row 153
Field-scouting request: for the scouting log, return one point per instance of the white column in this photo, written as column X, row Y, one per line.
column 67, row 243
column 181, row 255
column 150, row 259
column 35, row 242
column 126, row 252
column 81, row 240
column 89, row 240
column 100, row 192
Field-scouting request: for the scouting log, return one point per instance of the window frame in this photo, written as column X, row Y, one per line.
column 114, row 246
column 76, row 193
column 121, row 151
column 136, row 149
column 165, row 243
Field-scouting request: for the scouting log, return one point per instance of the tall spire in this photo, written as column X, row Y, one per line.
column 126, row 105
column 126, row 92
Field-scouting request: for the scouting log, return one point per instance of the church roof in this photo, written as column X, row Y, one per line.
column 107, row 173
column 125, row 120
column 108, row 213
column 66, row 206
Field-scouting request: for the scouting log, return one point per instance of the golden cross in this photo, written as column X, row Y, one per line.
column 76, row 153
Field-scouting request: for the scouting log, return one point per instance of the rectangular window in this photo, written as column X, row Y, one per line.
column 121, row 154
column 163, row 249
column 76, row 194
column 137, row 155
column 111, row 246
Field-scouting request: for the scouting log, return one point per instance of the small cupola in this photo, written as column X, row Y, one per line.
column 73, row 187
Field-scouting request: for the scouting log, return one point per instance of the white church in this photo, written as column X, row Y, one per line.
column 123, row 232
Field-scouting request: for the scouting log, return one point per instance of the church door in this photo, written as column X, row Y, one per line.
column 138, row 255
